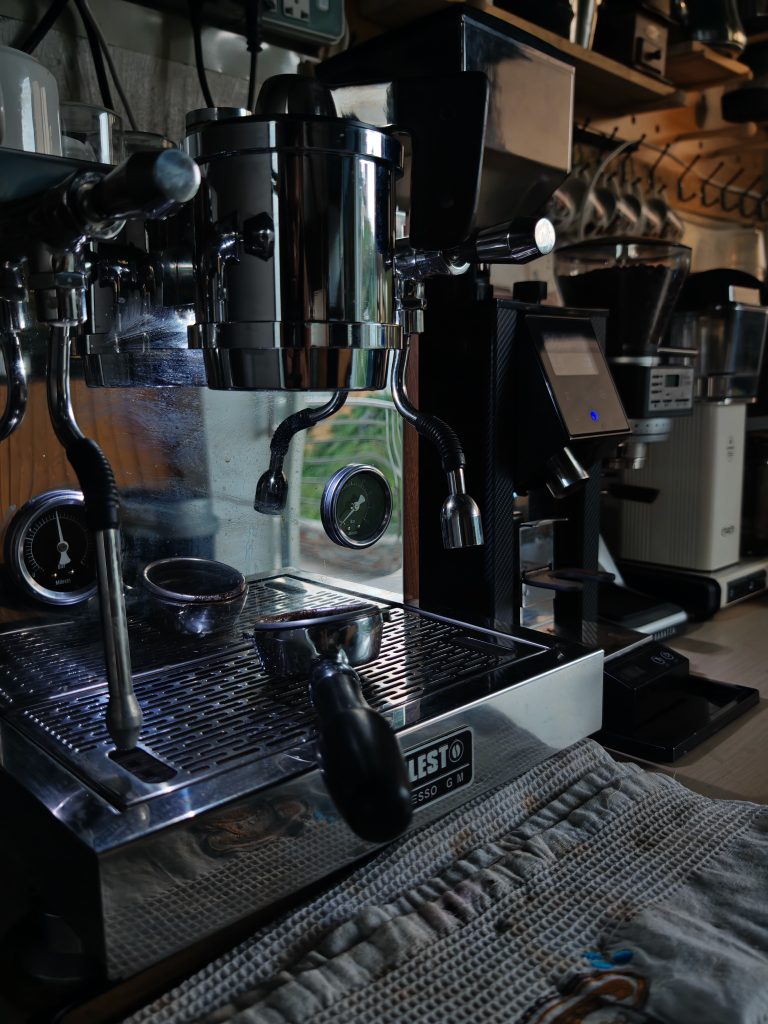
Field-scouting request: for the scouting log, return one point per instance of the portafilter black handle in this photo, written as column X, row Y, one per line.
column 362, row 764
column 147, row 185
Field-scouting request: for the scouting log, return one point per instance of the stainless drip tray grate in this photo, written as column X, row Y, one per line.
column 205, row 715
column 43, row 661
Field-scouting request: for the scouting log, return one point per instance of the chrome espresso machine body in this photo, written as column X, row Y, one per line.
column 162, row 781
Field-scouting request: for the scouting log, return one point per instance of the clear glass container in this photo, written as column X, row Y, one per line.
column 89, row 132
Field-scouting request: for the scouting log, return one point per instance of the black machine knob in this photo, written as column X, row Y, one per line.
column 518, row 241
column 362, row 764
column 147, row 185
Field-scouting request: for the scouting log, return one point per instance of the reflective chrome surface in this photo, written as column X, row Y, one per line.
column 294, row 230
column 565, row 473
column 13, row 318
column 244, row 818
column 16, row 383
column 460, row 520
column 124, row 715
column 292, row 642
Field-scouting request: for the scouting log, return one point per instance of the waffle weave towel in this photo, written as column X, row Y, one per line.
column 585, row 890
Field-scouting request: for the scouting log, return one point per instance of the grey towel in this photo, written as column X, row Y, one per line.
column 584, row 890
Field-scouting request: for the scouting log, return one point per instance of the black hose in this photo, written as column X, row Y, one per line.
column 40, row 31
column 302, row 420
column 97, row 482
column 98, row 57
column 444, row 438
column 252, row 80
column 46, row 23
column 195, row 11
column 253, row 41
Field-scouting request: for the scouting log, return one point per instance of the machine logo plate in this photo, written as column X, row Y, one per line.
column 438, row 768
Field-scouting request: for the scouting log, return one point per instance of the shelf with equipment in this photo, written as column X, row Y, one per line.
column 603, row 85
column 694, row 65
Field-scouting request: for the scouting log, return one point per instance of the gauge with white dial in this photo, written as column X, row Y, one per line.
column 50, row 551
column 356, row 506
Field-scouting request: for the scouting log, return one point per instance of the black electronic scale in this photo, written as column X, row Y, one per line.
column 654, row 708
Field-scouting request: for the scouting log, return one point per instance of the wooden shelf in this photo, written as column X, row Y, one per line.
column 693, row 65
column 603, row 86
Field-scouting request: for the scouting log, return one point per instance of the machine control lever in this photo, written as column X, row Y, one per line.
column 145, row 186
column 88, row 204
column 517, row 241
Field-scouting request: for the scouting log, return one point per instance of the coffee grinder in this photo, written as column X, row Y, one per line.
column 687, row 542
column 669, row 712
column 540, row 476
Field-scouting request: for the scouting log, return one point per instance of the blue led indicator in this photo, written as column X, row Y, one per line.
column 594, row 415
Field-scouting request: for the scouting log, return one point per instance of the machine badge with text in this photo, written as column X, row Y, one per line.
column 439, row 768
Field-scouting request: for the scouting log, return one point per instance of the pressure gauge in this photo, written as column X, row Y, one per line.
column 50, row 551
column 356, row 506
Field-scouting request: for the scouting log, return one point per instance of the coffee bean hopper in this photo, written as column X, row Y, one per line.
column 158, row 783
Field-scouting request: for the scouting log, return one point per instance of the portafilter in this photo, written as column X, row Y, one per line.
column 360, row 756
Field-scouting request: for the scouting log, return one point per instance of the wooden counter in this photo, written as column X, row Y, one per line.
column 733, row 648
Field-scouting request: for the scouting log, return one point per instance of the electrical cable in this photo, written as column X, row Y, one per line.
column 253, row 38
column 40, row 31
column 85, row 10
column 197, row 36
column 46, row 23
column 96, row 54
column 252, row 81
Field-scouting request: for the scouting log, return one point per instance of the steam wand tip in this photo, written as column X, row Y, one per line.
column 271, row 492
column 460, row 520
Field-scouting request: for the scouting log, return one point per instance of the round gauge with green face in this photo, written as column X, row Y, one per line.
column 356, row 506
column 50, row 551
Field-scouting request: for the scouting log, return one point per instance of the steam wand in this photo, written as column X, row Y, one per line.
column 58, row 222
column 272, row 487
column 97, row 480
column 460, row 519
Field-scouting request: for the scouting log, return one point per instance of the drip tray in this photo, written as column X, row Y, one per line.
column 208, row 706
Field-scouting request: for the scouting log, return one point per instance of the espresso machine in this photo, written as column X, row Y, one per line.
column 210, row 745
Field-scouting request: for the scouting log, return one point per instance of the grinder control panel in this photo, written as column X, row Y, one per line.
column 577, row 376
